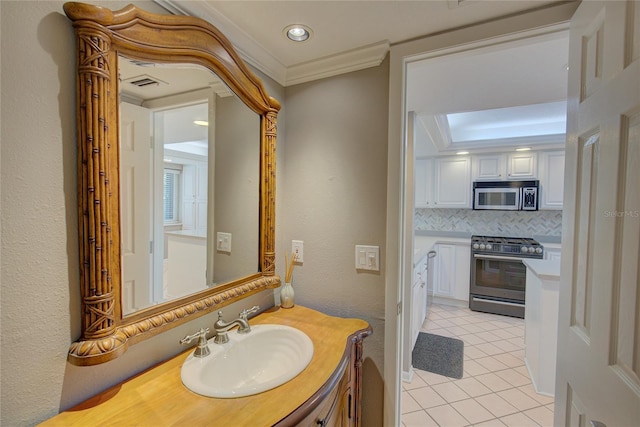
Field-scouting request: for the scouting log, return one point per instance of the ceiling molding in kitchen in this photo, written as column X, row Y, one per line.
column 259, row 57
column 437, row 129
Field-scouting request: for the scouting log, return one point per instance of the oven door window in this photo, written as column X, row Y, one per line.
column 500, row 274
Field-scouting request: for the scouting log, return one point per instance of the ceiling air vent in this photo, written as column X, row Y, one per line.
column 144, row 80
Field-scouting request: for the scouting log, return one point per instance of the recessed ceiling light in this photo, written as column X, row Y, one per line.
column 460, row 153
column 201, row 122
column 297, row 32
column 523, row 149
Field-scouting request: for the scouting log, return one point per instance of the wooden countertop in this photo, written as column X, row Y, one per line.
column 158, row 397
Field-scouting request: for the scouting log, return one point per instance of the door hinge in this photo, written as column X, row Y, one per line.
column 151, row 247
column 400, row 308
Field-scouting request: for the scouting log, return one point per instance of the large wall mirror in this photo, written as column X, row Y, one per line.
column 176, row 176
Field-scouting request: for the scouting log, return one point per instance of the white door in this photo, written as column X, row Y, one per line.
column 598, row 371
column 136, row 193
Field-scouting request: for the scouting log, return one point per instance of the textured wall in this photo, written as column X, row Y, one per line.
column 334, row 197
column 490, row 223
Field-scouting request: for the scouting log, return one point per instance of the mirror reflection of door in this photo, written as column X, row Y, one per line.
column 135, row 185
column 190, row 162
column 165, row 181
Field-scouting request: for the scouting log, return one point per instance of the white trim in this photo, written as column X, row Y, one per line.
column 249, row 49
column 344, row 62
column 407, row 377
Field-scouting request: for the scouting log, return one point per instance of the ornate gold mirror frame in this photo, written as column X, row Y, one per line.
column 102, row 35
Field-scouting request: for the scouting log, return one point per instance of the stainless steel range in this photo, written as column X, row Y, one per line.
column 498, row 276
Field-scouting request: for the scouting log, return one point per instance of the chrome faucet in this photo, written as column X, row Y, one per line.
column 202, row 349
column 242, row 322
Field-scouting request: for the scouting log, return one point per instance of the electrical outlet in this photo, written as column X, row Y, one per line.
column 297, row 249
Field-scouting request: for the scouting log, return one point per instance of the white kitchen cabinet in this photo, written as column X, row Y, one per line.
column 490, row 167
column 452, row 271
column 452, row 182
column 443, row 182
column 552, row 251
column 522, row 165
column 541, row 323
column 423, row 184
column 503, row 166
column 418, row 298
column 552, row 180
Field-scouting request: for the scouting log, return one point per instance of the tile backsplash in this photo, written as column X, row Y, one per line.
column 490, row 223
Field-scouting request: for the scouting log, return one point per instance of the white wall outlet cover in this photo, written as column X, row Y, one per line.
column 297, row 249
column 368, row 258
column 223, row 242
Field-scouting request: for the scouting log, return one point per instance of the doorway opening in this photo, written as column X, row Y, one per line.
column 461, row 105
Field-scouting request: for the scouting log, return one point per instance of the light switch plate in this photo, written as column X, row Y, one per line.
column 223, row 242
column 367, row 258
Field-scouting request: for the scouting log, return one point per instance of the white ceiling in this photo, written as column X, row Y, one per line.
column 352, row 35
column 504, row 95
column 347, row 35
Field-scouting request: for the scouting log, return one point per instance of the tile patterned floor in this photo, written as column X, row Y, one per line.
column 495, row 390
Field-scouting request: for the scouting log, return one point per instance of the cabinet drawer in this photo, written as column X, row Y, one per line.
column 334, row 410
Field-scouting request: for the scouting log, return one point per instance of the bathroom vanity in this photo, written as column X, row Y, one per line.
column 326, row 393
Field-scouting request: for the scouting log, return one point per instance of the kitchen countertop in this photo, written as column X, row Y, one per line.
column 423, row 243
column 454, row 234
column 545, row 269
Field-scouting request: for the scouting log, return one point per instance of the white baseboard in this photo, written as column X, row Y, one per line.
column 533, row 381
column 450, row 301
column 407, row 377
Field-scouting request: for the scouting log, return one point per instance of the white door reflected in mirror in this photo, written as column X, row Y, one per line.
column 199, row 174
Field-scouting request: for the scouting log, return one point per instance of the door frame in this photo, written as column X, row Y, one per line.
column 400, row 170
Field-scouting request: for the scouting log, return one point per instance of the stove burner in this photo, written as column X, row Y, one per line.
column 508, row 246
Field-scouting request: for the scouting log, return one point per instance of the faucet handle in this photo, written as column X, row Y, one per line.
column 244, row 313
column 202, row 333
column 202, row 349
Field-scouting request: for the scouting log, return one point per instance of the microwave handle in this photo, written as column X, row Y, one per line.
column 521, row 196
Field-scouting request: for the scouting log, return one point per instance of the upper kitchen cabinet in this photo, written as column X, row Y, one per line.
column 446, row 182
column 489, row 167
column 423, row 183
column 522, row 165
column 452, row 182
column 443, row 182
column 552, row 180
column 503, row 166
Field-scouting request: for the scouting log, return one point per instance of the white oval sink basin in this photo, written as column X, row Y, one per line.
column 268, row 356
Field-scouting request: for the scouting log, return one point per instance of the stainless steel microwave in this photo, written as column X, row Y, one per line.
column 506, row 195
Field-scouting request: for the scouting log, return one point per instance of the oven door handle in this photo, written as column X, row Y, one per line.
column 492, row 301
column 502, row 258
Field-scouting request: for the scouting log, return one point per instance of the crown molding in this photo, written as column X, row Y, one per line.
column 259, row 57
column 340, row 63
